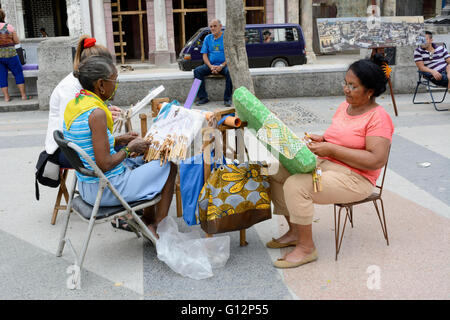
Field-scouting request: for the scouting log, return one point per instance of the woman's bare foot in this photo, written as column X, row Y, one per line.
column 7, row 98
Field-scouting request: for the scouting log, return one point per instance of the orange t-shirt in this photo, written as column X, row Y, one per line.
column 351, row 132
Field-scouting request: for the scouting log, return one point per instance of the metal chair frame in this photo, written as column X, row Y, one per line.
column 426, row 82
column 72, row 152
column 374, row 197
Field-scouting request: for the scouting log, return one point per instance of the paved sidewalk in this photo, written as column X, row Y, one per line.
column 415, row 265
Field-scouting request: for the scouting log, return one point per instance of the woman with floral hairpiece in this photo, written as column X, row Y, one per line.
column 66, row 90
column 350, row 153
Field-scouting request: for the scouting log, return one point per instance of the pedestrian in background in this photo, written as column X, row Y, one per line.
column 9, row 60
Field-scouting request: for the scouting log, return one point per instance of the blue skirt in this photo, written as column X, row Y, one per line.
column 140, row 181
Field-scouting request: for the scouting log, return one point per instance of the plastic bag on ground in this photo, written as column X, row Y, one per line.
column 187, row 253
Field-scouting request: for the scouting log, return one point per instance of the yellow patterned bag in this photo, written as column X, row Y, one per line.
column 235, row 197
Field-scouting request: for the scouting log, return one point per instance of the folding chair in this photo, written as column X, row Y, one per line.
column 95, row 214
column 429, row 85
column 374, row 197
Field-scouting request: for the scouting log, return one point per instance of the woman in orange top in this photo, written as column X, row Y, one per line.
column 350, row 153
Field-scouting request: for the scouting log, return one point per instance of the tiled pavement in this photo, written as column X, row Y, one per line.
column 415, row 265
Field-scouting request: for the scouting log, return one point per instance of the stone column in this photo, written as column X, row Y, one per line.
column 278, row 11
column 99, row 26
column 221, row 11
column 389, row 8
column 55, row 63
column 307, row 26
column 78, row 17
column 159, row 52
column 352, row 8
column 293, row 11
column 109, row 28
column 438, row 7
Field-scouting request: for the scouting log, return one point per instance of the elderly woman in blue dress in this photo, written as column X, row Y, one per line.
column 88, row 123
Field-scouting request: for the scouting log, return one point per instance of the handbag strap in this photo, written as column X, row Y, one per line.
column 240, row 133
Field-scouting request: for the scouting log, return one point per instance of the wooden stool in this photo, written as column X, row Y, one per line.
column 61, row 191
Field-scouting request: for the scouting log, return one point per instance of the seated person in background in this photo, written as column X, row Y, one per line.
column 214, row 63
column 88, row 123
column 66, row 90
column 350, row 153
column 43, row 33
column 266, row 35
column 433, row 60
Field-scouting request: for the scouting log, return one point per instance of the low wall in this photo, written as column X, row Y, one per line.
column 315, row 80
column 269, row 83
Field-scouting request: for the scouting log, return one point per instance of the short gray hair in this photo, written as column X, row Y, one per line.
column 92, row 69
column 215, row 19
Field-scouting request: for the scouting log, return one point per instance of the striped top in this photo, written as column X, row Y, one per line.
column 435, row 60
column 80, row 134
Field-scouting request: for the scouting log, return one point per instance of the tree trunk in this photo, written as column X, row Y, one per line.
column 234, row 43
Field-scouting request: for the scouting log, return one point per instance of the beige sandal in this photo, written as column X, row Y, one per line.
column 283, row 264
column 274, row 244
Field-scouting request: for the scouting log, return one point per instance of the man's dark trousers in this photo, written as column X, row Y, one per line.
column 442, row 83
column 202, row 71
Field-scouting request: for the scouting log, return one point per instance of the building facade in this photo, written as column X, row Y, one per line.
column 154, row 31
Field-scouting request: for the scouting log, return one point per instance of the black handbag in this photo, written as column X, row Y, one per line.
column 47, row 171
column 22, row 55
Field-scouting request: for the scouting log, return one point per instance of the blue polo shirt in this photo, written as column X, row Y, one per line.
column 214, row 49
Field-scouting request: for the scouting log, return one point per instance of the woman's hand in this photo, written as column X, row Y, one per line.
column 115, row 111
column 316, row 138
column 138, row 145
column 124, row 139
column 321, row 149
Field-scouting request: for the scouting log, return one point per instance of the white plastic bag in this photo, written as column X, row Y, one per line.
column 187, row 253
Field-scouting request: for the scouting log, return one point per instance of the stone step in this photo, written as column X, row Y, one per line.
column 17, row 104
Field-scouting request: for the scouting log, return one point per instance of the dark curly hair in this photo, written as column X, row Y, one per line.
column 370, row 73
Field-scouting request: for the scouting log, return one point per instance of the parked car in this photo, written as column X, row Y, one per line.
column 268, row 45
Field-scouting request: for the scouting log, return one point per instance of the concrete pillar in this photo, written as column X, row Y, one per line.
column 221, row 11
column 78, row 17
column 307, row 27
column 98, row 15
column 352, row 8
column 109, row 28
column 55, row 63
column 293, row 11
column 159, row 49
column 438, row 7
column 278, row 11
column 389, row 8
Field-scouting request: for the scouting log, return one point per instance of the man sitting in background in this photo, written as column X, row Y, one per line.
column 433, row 60
column 214, row 63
